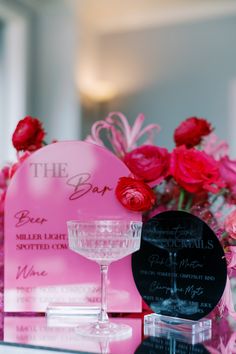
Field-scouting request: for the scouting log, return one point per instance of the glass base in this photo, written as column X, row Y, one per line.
column 108, row 330
column 179, row 328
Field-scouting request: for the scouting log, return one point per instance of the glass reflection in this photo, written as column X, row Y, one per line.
column 60, row 334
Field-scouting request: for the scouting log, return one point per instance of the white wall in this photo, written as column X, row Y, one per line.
column 172, row 72
column 53, row 73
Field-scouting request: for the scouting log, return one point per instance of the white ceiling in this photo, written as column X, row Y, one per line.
column 118, row 15
column 104, row 16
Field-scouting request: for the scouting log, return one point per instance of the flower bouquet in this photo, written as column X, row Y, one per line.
column 198, row 176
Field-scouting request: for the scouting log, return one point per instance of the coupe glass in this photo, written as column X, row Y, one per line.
column 104, row 241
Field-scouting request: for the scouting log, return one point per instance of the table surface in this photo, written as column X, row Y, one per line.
column 38, row 334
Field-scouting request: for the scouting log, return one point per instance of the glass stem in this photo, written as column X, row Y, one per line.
column 103, row 317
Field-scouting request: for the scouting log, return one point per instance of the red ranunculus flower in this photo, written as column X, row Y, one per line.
column 28, row 134
column 228, row 173
column 191, row 131
column 134, row 194
column 195, row 171
column 148, row 162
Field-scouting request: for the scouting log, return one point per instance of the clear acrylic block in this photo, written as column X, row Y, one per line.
column 71, row 309
column 185, row 330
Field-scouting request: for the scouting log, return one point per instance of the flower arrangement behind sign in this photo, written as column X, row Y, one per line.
column 27, row 137
column 198, row 176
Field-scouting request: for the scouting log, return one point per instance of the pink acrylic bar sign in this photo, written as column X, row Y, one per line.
column 60, row 182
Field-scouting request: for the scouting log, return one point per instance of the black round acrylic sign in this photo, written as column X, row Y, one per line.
column 180, row 269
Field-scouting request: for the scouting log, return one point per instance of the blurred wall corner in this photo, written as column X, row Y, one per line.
column 15, row 20
column 38, row 52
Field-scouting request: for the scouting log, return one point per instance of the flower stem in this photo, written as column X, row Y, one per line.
column 224, row 234
column 189, row 203
column 181, row 199
column 216, row 196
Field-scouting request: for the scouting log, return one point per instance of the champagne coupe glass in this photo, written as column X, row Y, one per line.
column 104, row 241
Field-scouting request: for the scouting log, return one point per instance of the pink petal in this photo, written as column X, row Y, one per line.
column 232, row 262
column 215, row 147
column 227, row 300
column 135, row 130
column 123, row 123
column 95, row 132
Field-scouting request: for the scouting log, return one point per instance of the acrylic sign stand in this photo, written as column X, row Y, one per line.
column 60, row 182
column 180, row 271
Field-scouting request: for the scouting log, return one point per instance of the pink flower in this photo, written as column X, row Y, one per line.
column 148, row 162
column 223, row 348
column 121, row 135
column 2, row 201
column 215, row 147
column 4, row 176
column 195, row 171
column 16, row 165
column 231, row 257
column 230, row 224
column 1, row 227
column 230, row 347
column 228, row 172
column 226, row 301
